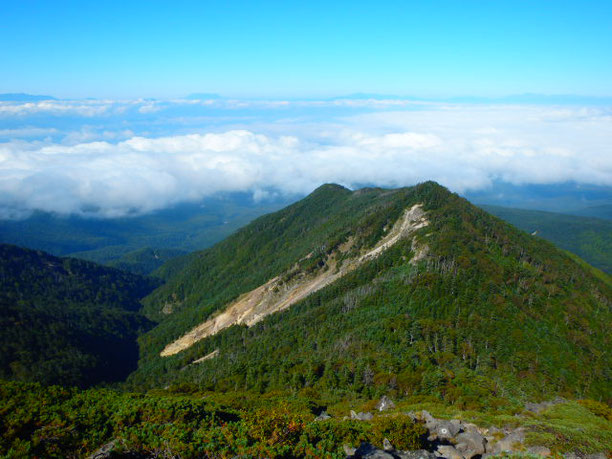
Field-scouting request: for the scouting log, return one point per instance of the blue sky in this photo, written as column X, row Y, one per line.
column 122, row 138
column 305, row 49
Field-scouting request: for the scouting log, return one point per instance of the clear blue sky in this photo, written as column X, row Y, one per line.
column 308, row 48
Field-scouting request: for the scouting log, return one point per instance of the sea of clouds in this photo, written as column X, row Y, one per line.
column 113, row 158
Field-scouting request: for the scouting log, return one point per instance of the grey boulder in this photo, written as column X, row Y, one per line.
column 441, row 429
column 419, row 454
column 367, row 451
column 105, row 451
column 470, row 444
column 512, row 442
column 449, row 452
column 385, row 403
column 323, row 416
column 361, row 416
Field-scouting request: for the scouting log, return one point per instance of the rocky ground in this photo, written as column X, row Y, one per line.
column 456, row 439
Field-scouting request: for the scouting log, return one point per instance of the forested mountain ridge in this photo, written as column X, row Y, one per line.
column 588, row 237
column 490, row 312
column 67, row 321
column 267, row 247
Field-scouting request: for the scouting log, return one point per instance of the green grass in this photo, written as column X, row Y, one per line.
column 570, row 427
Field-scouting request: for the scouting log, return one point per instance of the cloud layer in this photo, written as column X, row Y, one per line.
column 118, row 167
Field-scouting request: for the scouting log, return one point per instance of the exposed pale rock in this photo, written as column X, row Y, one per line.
column 425, row 416
column 212, row 355
column 276, row 295
column 385, row 403
column 361, row 416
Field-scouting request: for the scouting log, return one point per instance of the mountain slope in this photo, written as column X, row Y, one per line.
column 465, row 307
column 304, row 232
column 589, row 238
column 282, row 292
column 67, row 321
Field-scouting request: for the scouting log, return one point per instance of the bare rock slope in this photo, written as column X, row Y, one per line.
column 276, row 295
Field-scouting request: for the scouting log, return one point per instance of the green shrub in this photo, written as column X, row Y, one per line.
column 597, row 408
column 400, row 430
column 330, row 435
column 276, row 426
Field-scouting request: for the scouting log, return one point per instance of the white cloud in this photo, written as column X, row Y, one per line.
column 53, row 107
column 149, row 108
column 113, row 172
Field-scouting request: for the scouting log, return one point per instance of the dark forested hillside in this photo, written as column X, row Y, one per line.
column 590, row 238
column 467, row 309
column 67, row 321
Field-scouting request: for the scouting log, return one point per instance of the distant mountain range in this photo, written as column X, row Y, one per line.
column 184, row 228
column 536, row 99
column 21, row 97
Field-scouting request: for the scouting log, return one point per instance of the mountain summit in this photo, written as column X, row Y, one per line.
column 405, row 291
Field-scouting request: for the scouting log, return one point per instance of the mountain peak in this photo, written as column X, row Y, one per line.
column 412, row 287
column 330, row 188
column 22, row 97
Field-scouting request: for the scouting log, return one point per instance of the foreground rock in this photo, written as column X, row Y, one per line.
column 470, row 444
column 361, row 416
column 385, row 403
column 113, row 449
column 367, row 451
column 450, row 439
